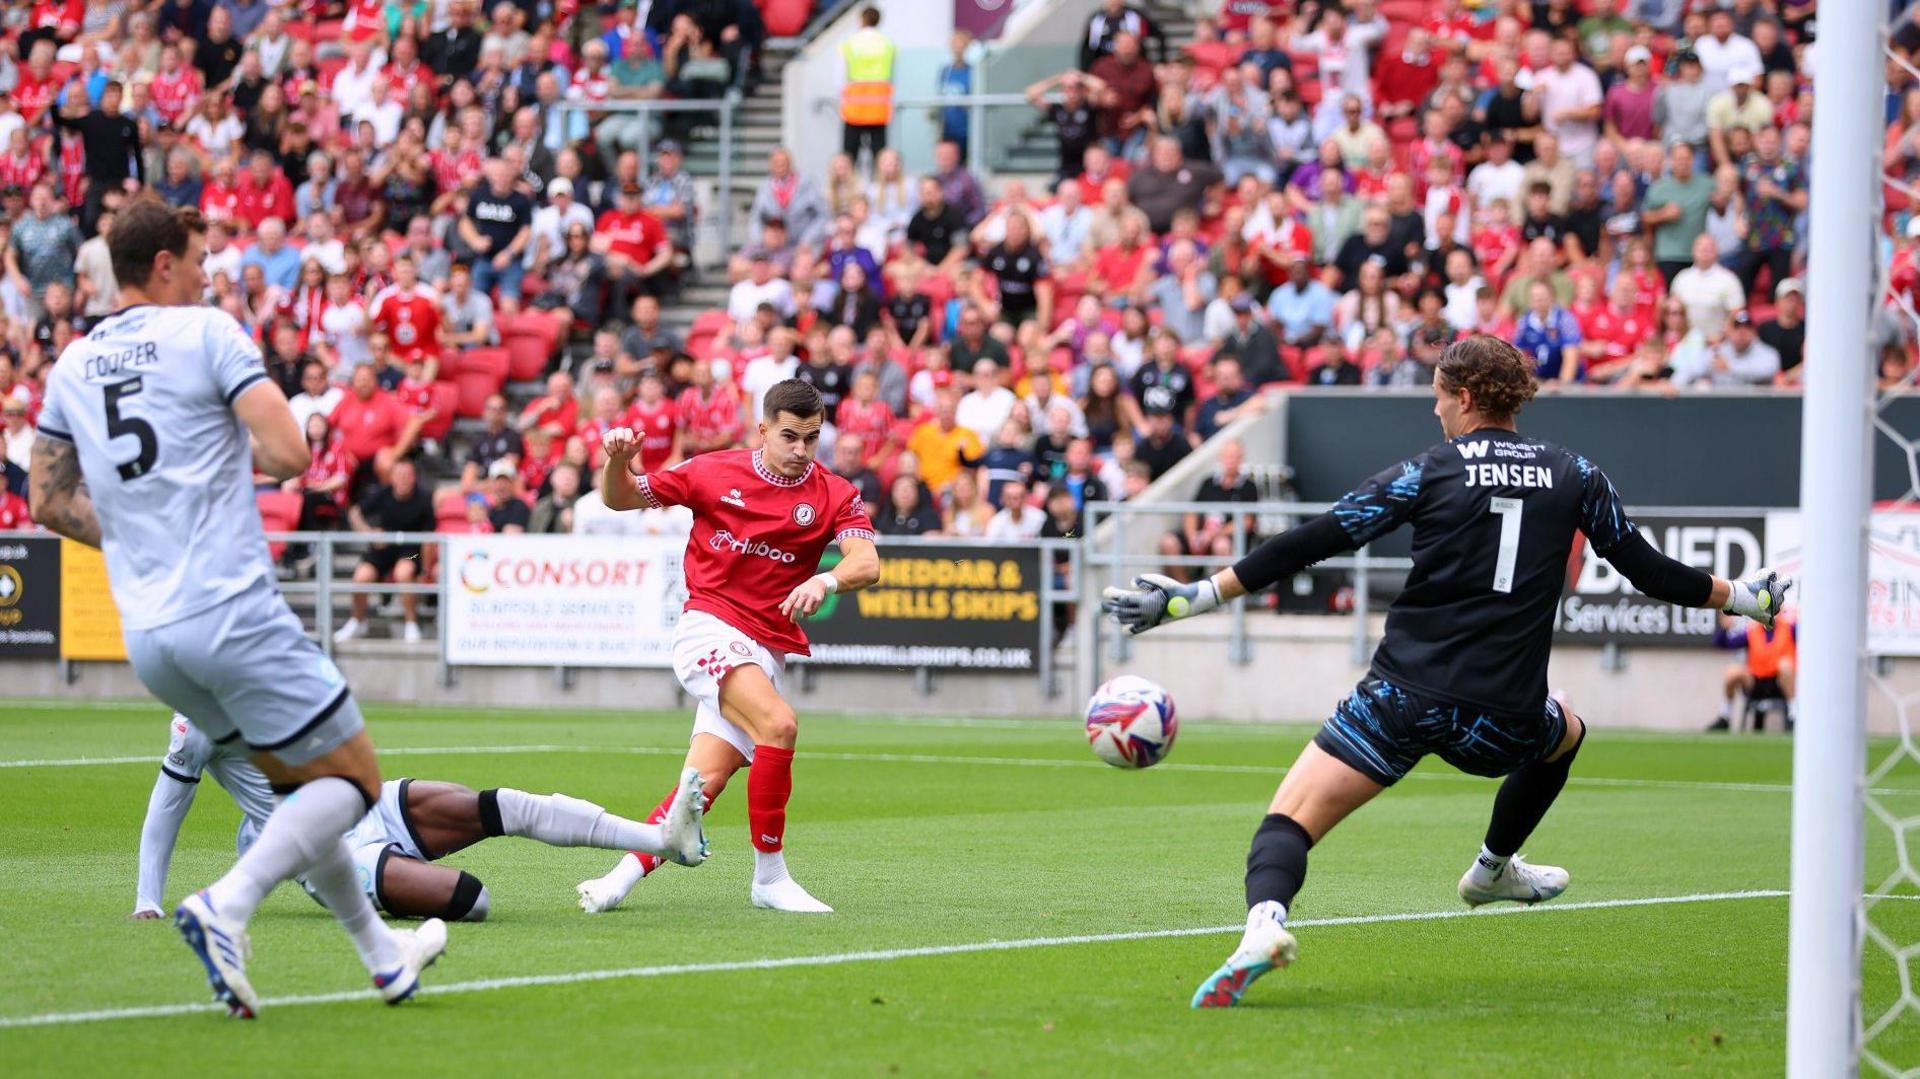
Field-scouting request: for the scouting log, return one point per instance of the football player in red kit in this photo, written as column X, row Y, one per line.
column 761, row 519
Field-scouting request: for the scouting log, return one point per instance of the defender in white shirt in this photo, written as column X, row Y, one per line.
column 416, row 823
column 153, row 426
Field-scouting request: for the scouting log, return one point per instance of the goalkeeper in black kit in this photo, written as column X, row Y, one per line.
column 1462, row 669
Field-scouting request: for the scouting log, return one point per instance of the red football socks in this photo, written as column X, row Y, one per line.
column 769, row 784
column 651, row 862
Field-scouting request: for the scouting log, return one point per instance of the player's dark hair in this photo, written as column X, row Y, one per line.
column 1499, row 376
column 795, row 396
column 145, row 228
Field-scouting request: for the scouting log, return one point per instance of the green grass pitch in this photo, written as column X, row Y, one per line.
column 944, row 834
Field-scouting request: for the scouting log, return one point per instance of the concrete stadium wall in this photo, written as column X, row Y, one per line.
column 1697, row 449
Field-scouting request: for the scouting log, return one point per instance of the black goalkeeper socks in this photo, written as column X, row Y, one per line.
column 1524, row 800
column 1277, row 862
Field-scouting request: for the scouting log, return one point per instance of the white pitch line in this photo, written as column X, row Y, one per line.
column 1010, row 762
column 885, row 955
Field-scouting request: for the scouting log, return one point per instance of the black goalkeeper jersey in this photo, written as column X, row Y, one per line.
column 1493, row 515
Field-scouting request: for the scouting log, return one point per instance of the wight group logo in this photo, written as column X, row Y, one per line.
column 476, row 572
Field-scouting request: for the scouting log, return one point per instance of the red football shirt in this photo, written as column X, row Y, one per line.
column 256, row 202
column 369, row 426
column 636, row 235
column 712, row 419
column 872, row 421
column 33, row 96
column 655, row 426
column 174, row 95
column 15, row 513
column 411, row 320
column 757, row 536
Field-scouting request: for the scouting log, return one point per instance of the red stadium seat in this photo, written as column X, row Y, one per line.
column 530, row 340
column 446, row 404
column 526, row 357
column 711, row 321
column 279, row 512
column 483, row 371
column 449, row 501
column 785, row 18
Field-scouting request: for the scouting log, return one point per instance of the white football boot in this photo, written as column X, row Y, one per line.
column 685, row 830
column 602, row 894
column 1521, row 881
column 419, row 947
column 1265, row 946
column 786, row 894
column 224, row 949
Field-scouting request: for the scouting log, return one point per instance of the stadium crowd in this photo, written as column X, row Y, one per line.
column 412, row 204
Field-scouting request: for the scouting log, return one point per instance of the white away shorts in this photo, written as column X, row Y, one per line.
column 705, row 649
column 246, row 669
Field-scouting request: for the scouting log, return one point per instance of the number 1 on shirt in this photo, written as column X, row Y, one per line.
column 1509, row 511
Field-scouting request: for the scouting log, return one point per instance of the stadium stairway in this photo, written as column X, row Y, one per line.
column 1036, row 153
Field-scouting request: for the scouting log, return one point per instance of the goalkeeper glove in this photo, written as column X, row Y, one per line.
column 1154, row 599
column 1758, row 598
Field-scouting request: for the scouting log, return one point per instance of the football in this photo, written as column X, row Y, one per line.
column 1130, row 722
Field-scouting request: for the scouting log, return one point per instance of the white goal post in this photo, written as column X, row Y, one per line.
column 1829, row 751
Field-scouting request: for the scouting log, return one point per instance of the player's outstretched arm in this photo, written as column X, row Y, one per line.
column 1154, row 599
column 279, row 446
column 1759, row 597
column 57, row 494
column 618, row 488
column 1614, row 538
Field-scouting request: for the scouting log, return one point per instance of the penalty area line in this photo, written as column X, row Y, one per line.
column 885, row 955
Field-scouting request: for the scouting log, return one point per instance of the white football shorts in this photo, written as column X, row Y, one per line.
column 705, row 649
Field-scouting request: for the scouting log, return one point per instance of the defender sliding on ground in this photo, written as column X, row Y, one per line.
column 154, row 425
column 417, row 822
column 1462, row 668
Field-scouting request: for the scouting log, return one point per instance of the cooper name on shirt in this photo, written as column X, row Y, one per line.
column 1479, row 475
column 144, row 354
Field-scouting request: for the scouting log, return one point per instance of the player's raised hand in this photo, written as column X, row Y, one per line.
column 1759, row 597
column 1154, row 599
column 620, row 444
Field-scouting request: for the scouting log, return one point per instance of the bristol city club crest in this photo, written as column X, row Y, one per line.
column 803, row 515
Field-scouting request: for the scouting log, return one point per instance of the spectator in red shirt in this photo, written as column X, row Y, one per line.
column 263, row 191
column 15, row 513
column 375, row 427
column 33, row 94
column 409, row 312
column 1611, row 332
column 557, row 409
column 1627, row 112
column 1404, row 79
column 709, row 410
column 635, row 246
column 863, row 414
column 175, row 91
column 1125, row 91
column 323, row 486
column 219, row 195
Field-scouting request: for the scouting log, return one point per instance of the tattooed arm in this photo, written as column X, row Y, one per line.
column 58, row 495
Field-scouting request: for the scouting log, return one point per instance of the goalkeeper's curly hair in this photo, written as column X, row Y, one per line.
column 1499, row 376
